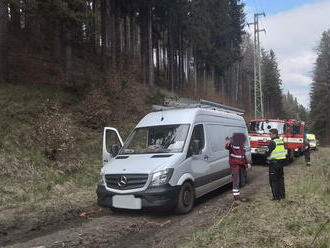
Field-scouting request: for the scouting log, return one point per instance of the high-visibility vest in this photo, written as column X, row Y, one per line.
column 279, row 152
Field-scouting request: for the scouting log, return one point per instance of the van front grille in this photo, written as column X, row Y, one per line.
column 126, row 181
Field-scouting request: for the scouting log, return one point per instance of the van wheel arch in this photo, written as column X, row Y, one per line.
column 186, row 198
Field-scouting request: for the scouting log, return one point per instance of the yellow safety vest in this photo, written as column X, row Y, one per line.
column 279, row 152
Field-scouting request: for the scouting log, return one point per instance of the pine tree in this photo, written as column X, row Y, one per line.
column 320, row 91
column 271, row 85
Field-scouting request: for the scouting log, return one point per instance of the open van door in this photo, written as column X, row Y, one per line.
column 112, row 143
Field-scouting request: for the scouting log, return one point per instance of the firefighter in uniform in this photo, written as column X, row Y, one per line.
column 307, row 153
column 237, row 160
column 276, row 157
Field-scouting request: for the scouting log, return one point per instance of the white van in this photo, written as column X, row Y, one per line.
column 171, row 158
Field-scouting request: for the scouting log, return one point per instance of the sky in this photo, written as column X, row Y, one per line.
column 293, row 31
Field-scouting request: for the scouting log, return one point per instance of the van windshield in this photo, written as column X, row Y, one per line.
column 263, row 127
column 156, row 139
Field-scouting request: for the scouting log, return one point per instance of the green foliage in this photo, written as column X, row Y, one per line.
column 213, row 28
column 272, row 93
column 320, row 91
column 215, row 31
column 66, row 11
column 294, row 110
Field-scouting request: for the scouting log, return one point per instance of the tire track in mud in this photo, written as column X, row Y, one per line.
column 144, row 229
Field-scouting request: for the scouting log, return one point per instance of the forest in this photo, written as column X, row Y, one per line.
column 192, row 48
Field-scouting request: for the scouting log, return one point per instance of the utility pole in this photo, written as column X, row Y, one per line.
column 258, row 98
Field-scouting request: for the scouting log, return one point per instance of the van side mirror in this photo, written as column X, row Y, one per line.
column 195, row 146
column 115, row 149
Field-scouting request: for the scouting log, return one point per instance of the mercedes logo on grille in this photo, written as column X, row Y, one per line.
column 122, row 182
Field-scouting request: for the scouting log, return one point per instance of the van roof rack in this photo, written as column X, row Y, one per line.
column 173, row 103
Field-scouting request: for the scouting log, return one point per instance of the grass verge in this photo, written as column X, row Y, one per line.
column 34, row 188
column 302, row 220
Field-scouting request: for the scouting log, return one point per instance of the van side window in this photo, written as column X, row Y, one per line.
column 111, row 139
column 198, row 134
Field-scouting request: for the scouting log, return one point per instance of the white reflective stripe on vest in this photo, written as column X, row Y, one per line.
column 236, row 147
column 236, row 156
column 279, row 156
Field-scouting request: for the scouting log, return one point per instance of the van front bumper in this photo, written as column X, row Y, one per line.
column 161, row 198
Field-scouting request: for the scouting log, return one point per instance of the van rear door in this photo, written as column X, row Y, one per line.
column 112, row 142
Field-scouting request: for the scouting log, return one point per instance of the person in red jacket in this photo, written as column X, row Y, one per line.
column 237, row 161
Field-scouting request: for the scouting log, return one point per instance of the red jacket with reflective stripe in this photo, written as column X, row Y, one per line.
column 236, row 155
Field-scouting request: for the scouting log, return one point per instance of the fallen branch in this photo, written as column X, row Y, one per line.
column 160, row 224
column 85, row 214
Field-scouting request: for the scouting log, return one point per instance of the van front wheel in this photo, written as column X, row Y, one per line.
column 186, row 199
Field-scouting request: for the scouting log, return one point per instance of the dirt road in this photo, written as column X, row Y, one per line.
column 140, row 229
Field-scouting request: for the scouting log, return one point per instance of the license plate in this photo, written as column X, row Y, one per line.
column 126, row 201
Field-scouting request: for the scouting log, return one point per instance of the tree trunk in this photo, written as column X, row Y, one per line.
column 170, row 58
column 132, row 34
column 15, row 17
column 150, row 49
column 127, row 33
column 237, row 82
column 164, row 53
column 157, row 57
column 68, row 54
column 111, row 32
column 144, row 44
column 93, row 29
column 56, row 41
column 3, row 41
column 103, row 32
column 117, row 34
column 181, row 61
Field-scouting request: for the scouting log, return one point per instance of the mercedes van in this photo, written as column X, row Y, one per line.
column 171, row 158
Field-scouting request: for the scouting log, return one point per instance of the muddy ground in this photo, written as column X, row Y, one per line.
column 104, row 228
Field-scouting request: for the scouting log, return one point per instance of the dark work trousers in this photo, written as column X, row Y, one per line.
column 242, row 175
column 276, row 179
column 235, row 172
column 307, row 156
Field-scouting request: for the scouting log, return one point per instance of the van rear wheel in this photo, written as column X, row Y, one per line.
column 186, row 199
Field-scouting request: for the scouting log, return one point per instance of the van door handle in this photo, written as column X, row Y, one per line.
column 105, row 161
column 206, row 157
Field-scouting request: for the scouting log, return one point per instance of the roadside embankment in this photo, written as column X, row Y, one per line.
column 301, row 220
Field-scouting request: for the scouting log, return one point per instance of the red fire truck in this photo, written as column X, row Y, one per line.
column 290, row 131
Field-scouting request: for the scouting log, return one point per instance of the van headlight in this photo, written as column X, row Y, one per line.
column 101, row 179
column 161, row 177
